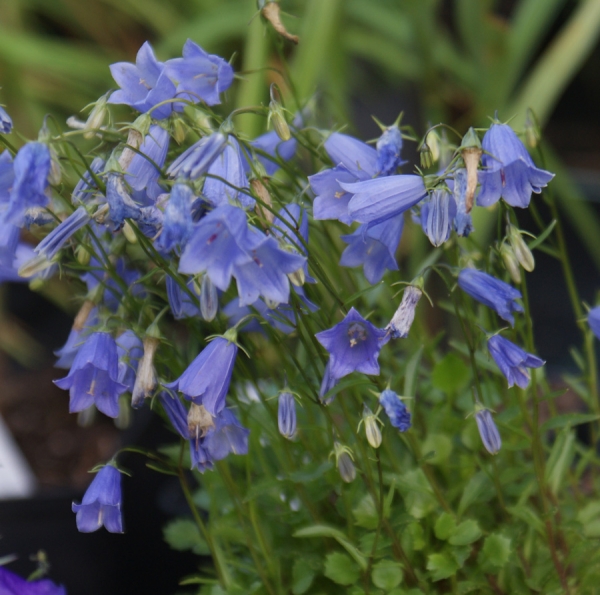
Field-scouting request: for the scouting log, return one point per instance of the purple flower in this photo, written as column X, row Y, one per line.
column 594, row 321
column 374, row 248
column 508, row 170
column 353, row 345
column 206, row 380
column 7, row 177
column 5, row 122
column 488, row 431
column 270, row 147
column 31, row 169
column 286, row 415
column 93, row 378
column 181, row 303
column 144, row 169
column 195, row 162
column 356, row 156
column 405, row 314
column 463, row 223
column 13, row 584
column 512, row 360
column 121, row 205
column 58, row 237
column 86, row 187
column 101, row 504
column 177, row 223
column 437, row 216
column 144, row 85
column 327, row 383
column 84, row 321
column 491, row 292
column 389, row 146
column 129, row 352
column 199, row 76
column 176, row 412
column 395, row 409
column 377, row 200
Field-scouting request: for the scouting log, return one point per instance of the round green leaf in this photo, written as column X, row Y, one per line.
column 386, row 574
column 341, row 569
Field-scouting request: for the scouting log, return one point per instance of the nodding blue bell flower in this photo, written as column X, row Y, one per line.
column 344, row 462
column 143, row 170
column 594, row 321
column 374, row 248
column 144, row 85
column 181, row 303
column 101, row 504
column 405, row 314
column 209, row 299
column 130, row 351
column 86, row 318
column 327, row 383
column 206, row 380
column 353, row 345
column 488, row 430
column 437, row 216
column 120, row 203
column 396, row 410
column 7, row 177
column 93, row 378
column 176, row 412
column 389, row 146
column 13, row 584
column 5, row 122
column 491, row 292
column 32, row 166
column 508, row 170
column 60, row 235
column 177, row 224
column 199, row 76
column 86, row 187
column 286, row 415
column 463, row 222
column 513, row 361
column 196, row 161
column 356, row 156
column 146, row 380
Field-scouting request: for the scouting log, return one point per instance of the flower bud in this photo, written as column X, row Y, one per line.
column 129, row 233
column 96, row 118
column 286, row 415
column 209, row 299
column 372, row 429
column 270, row 11
column 145, row 381
column 510, row 262
column 277, row 117
column 343, row 459
column 488, row 430
column 178, row 129
column 532, row 129
column 426, row 156
column 405, row 314
column 471, row 152
column 135, row 140
column 55, row 174
column 260, row 190
column 520, row 248
column 298, row 277
column 82, row 255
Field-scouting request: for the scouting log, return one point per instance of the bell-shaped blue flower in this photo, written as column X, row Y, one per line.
column 101, row 504
column 389, row 146
column 59, row 236
column 396, row 410
column 129, row 352
column 120, row 203
column 13, row 584
column 176, row 412
column 513, row 361
column 508, row 170
column 437, row 216
column 93, row 378
column 177, row 222
column 195, row 161
column 181, row 303
column 270, row 147
column 377, row 200
column 206, row 380
column 405, row 314
column 374, row 248
column 144, row 85
column 85, row 320
column 7, row 177
column 491, row 292
column 227, row 436
column 594, row 321
column 5, row 122
column 199, row 76
column 31, row 170
column 353, row 345
column 488, row 430
column 86, row 187
column 356, row 156
column 286, row 415
column 463, row 222
column 144, row 169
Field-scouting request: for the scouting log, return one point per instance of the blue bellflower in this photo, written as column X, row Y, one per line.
column 31, row 170
column 93, row 378
column 491, row 292
column 206, row 380
column 389, row 146
column 269, row 148
column 5, row 122
column 286, row 415
column 438, row 216
column 177, row 223
column 86, row 187
column 488, row 431
column 594, row 321
column 513, row 361
column 405, row 314
column 101, row 504
column 144, row 85
column 120, row 203
column 374, row 248
column 7, row 178
column 356, row 156
column 13, row 584
column 463, row 222
column 144, row 169
column 86, row 319
column 353, row 345
column 176, row 412
column 195, row 161
column 181, row 303
column 129, row 352
column 396, row 410
column 199, row 76
column 60, row 235
column 508, row 170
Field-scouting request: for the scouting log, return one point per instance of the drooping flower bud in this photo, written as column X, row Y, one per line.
column 344, row 462
column 145, row 380
column 532, row 129
column 437, row 216
column 286, row 415
column 520, row 248
column 396, row 410
column 488, row 430
column 425, row 156
column 259, row 189
column 372, row 429
column 510, row 262
column 277, row 117
column 96, row 118
column 471, row 152
column 405, row 314
column 209, row 299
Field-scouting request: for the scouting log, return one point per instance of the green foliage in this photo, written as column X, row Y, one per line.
column 341, row 569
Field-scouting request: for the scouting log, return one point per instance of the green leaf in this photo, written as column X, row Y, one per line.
column 365, row 513
column 568, row 419
column 416, row 493
column 479, row 489
column 495, row 552
column 540, row 239
column 410, row 375
column 325, row 531
column 183, row 534
column 440, row 445
column 450, row 374
column 441, row 566
column 461, row 553
column 444, row 526
column 527, row 515
column 560, row 459
column 467, row 532
column 302, row 576
column 341, row 569
column 386, row 574
column 310, row 472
